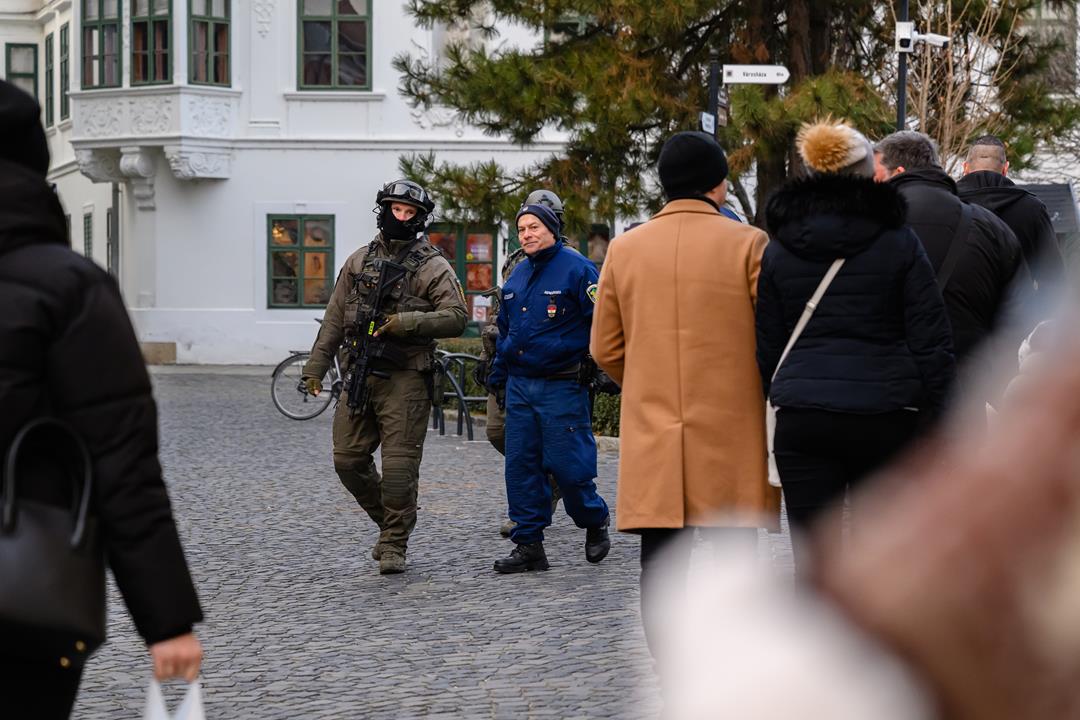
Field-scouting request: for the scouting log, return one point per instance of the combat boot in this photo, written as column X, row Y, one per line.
column 506, row 527
column 376, row 551
column 597, row 542
column 523, row 558
column 391, row 561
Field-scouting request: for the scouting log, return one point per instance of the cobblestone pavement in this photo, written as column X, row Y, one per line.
column 301, row 625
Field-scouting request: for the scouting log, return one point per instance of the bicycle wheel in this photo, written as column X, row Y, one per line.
column 290, row 398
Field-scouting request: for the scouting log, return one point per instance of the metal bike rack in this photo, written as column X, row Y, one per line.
column 453, row 367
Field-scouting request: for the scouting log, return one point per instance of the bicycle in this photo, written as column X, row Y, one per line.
column 289, row 394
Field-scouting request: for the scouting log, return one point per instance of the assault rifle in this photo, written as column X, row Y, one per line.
column 362, row 347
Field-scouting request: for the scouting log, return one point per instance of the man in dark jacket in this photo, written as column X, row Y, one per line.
column 67, row 350
column 979, row 293
column 985, row 183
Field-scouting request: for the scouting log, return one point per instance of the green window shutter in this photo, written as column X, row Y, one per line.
column 300, row 260
column 334, row 44
column 209, row 42
column 102, row 51
column 21, row 61
column 151, row 42
column 88, row 234
column 50, row 93
column 65, row 71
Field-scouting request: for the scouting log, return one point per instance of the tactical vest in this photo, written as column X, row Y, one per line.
column 398, row 298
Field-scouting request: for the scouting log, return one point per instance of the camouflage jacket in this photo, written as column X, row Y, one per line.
column 429, row 300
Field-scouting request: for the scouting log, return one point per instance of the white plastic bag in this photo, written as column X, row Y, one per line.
column 190, row 709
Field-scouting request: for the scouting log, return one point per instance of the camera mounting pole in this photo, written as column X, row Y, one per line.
column 901, row 77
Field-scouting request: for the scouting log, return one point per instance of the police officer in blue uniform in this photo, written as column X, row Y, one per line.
column 544, row 323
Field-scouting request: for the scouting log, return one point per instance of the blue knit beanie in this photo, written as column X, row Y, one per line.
column 544, row 215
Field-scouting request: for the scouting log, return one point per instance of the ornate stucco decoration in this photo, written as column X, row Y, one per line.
column 262, row 12
column 137, row 165
column 199, row 163
column 99, row 165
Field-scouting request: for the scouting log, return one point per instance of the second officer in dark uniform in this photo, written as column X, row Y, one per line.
column 427, row 304
column 544, row 323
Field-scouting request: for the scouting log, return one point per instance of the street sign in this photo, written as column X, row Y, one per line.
column 708, row 123
column 755, row 74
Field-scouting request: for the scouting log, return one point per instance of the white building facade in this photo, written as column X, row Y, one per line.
column 221, row 157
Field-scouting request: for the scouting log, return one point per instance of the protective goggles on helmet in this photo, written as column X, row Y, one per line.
column 406, row 192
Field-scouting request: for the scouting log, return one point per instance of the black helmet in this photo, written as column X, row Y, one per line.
column 408, row 193
column 547, row 199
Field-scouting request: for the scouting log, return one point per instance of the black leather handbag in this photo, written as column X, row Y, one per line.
column 52, row 567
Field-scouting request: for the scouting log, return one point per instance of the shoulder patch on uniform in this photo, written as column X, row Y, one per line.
column 591, row 291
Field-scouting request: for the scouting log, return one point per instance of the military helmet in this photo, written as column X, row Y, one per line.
column 408, row 193
column 547, row 199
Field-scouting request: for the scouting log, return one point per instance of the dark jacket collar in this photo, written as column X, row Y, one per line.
column 984, row 179
column 992, row 190
column 542, row 257
column 924, row 176
column 30, row 212
column 827, row 216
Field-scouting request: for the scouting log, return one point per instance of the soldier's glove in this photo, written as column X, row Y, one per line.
column 311, row 385
column 500, row 396
column 393, row 326
column 480, row 372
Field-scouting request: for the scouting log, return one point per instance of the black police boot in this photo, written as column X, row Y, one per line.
column 597, row 542
column 522, row 558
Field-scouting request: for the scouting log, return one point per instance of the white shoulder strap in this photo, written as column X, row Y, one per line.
column 808, row 311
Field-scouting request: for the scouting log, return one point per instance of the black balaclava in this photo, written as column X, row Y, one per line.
column 394, row 229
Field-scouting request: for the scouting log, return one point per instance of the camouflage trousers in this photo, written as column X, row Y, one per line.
column 396, row 418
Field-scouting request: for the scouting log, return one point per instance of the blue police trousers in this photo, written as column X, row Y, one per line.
column 549, row 430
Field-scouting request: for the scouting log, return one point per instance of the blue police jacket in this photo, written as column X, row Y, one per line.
column 545, row 316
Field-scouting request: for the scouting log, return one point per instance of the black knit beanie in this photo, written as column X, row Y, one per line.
column 22, row 139
column 545, row 215
column 691, row 163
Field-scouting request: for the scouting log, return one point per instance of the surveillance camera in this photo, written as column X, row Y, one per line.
column 941, row 41
column 905, row 36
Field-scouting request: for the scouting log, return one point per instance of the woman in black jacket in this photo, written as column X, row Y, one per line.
column 875, row 361
column 67, row 350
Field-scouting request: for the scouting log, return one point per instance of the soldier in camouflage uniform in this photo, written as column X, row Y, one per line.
column 496, row 416
column 428, row 303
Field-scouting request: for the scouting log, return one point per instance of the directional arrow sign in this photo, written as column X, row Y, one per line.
column 755, row 74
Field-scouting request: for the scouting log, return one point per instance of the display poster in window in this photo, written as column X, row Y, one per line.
column 478, row 248
column 481, row 307
column 447, row 242
column 478, row 277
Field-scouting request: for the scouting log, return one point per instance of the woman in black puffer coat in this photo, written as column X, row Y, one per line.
column 875, row 362
column 67, row 350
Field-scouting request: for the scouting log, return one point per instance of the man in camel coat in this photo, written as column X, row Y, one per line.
column 674, row 326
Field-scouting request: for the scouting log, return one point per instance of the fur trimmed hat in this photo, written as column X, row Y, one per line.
column 835, row 147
